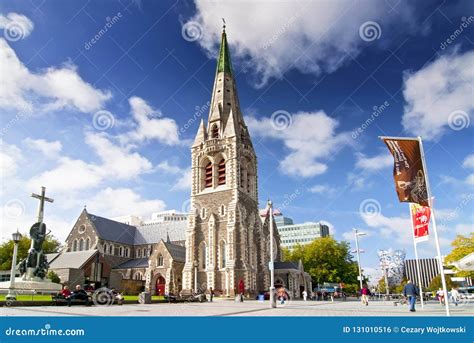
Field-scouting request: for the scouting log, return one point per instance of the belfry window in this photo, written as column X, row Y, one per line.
column 221, row 172
column 208, row 175
column 215, row 131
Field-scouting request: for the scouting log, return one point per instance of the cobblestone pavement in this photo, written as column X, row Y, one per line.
column 248, row 308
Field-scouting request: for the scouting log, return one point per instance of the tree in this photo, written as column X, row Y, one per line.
column 53, row 277
column 462, row 246
column 50, row 245
column 436, row 283
column 326, row 260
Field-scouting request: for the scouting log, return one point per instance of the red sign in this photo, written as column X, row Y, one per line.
column 420, row 217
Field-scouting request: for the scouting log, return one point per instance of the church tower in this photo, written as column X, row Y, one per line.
column 226, row 241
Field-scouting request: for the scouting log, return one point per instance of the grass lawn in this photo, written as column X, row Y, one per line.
column 25, row 297
column 135, row 297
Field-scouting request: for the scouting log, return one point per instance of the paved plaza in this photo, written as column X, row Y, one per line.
column 248, row 308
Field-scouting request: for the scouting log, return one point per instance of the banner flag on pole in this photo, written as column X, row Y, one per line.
column 420, row 217
column 408, row 171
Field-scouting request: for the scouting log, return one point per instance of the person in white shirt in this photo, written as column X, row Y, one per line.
column 305, row 295
column 455, row 296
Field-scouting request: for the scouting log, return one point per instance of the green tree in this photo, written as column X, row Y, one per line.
column 326, row 260
column 53, row 277
column 436, row 283
column 50, row 245
column 462, row 246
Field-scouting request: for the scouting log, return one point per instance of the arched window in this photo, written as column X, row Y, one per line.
column 221, row 172
column 88, row 243
column 74, row 245
column 139, row 252
column 208, row 175
column 81, row 244
column 223, row 252
column 215, row 131
column 138, row 276
column 160, row 260
column 127, row 252
column 111, row 249
column 203, row 255
column 105, row 248
column 222, row 210
column 120, row 251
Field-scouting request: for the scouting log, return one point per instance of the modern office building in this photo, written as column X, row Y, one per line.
column 429, row 268
column 292, row 234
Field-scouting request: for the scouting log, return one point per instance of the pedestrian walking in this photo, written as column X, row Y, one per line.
column 365, row 293
column 455, row 295
column 211, row 294
column 440, row 295
column 411, row 291
column 305, row 295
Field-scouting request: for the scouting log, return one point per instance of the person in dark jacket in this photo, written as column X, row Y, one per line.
column 411, row 291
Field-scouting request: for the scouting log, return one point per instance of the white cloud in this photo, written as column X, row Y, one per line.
column 307, row 147
column 433, row 93
column 310, row 36
column 164, row 130
column 322, row 189
column 10, row 156
column 122, row 201
column 48, row 149
column 468, row 162
column 184, row 182
column 55, row 88
column 72, row 175
column 16, row 26
column 375, row 163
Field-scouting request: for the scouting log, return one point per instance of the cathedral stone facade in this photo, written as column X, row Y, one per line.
column 226, row 240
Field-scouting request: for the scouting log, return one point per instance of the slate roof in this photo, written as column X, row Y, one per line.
column 286, row 265
column 134, row 263
column 51, row 257
column 72, row 259
column 178, row 252
column 154, row 233
column 110, row 230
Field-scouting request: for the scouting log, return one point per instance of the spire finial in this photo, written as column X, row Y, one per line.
column 223, row 25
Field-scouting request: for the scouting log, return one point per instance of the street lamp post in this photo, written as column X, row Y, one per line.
column 16, row 236
column 357, row 234
column 195, row 276
column 272, row 265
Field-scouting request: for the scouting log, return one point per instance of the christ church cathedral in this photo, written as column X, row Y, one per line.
column 223, row 243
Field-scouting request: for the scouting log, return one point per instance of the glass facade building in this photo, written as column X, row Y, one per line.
column 292, row 234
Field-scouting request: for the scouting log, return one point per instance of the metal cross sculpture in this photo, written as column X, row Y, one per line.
column 42, row 198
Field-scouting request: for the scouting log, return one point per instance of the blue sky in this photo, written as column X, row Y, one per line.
column 100, row 100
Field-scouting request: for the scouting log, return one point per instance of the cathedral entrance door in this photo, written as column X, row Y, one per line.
column 160, row 285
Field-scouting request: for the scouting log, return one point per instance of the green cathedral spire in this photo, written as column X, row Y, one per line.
column 224, row 64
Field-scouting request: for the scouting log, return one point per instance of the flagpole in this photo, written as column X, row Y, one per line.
column 417, row 261
column 435, row 231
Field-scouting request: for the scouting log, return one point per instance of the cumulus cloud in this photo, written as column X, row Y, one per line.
column 439, row 96
column 184, row 182
column 150, row 124
column 308, row 149
column 122, row 201
column 10, row 156
column 72, row 175
column 322, row 189
column 468, row 163
column 48, row 149
column 16, row 26
column 54, row 88
column 375, row 163
column 310, row 36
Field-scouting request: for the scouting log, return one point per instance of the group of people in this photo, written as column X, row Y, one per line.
column 82, row 295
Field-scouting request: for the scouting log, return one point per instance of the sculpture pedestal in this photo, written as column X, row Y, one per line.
column 34, row 284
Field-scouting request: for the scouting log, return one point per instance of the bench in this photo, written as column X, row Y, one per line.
column 60, row 300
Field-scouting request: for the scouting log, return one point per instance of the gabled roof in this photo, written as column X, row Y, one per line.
column 110, row 230
column 72, row 259
column 134, row 263
column 154, row 233
column 177, row 252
